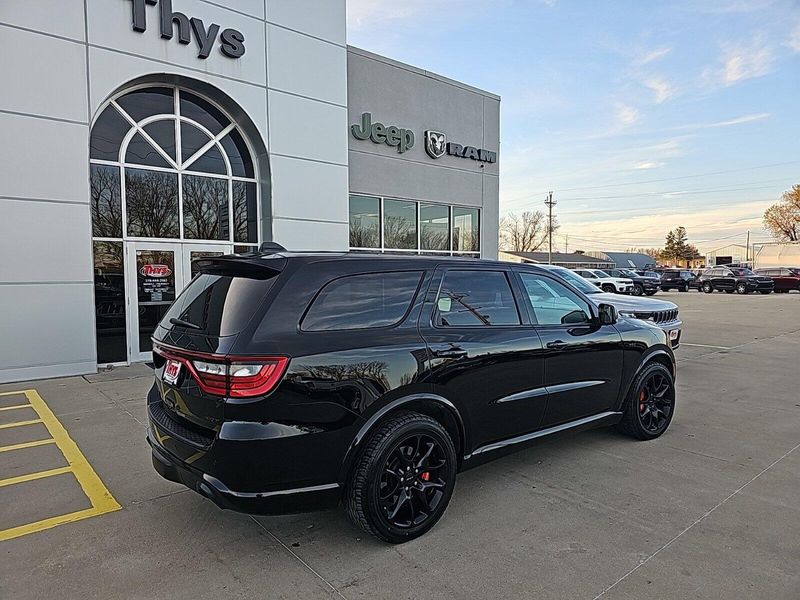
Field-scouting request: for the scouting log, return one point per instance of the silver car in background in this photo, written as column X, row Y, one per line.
column 662, row 313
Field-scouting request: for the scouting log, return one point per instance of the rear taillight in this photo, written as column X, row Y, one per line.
column 235, row 377
column 240, row 378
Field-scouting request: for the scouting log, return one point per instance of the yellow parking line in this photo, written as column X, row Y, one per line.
column 34, row 476
column 23, row 445
column 91, row 484
column 2, row 408
column 20, row 423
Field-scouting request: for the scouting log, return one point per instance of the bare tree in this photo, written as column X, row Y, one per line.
column 782, row 219
column 524, row 233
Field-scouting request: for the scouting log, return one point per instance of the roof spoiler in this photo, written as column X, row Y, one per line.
column 252, row 265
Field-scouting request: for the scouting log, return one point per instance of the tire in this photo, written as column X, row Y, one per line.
column 707, row 287
column 639, row 419
column 650, row 293
column 741, row 288
column 765, row 292
column 385, row 455
column 665, row 289
column 608, row 288
column 638, row 289
column 684, row 288
column 728, row 291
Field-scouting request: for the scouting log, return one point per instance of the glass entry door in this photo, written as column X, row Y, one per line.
column 157, row 273
column 155, row 278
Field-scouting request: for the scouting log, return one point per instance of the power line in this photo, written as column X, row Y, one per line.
column 681, row 192
column 611, row 185
column 550, row 203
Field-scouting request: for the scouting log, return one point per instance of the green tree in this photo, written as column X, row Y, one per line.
column 677, row 248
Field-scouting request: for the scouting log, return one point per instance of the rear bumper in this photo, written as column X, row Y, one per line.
column 258, row 503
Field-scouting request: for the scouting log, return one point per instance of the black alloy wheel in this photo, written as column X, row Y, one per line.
column 707, row 287
column 741, row 287
column 684, row 287
column 650, row 405
column 404, row 478
column 638, row 289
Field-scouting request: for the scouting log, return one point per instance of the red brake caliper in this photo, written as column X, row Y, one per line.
column 425, row 476
column 641, row 401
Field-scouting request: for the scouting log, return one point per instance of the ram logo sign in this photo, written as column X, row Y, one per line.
column 435, row 143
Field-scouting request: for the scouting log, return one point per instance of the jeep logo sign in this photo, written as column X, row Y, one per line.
column 436, row 144
column 231, row 40
column 402, row 139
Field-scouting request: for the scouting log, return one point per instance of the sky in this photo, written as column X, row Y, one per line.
column 639, row 115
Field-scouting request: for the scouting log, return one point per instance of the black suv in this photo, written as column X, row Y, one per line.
column 641, row 284
column 293, row 381
column 734, row 279
column 680, row 279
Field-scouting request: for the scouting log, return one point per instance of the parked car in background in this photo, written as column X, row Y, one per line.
column 785, row 279
column 734, row 279
column 641, row 284
column 648, row 273
column 286, row 382
column 662, row 313
column 607, row 283
column 680, row 279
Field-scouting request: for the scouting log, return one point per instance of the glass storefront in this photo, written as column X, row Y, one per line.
column 172, row 179
column 392, row 225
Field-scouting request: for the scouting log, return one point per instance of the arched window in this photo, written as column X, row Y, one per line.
column 169, row 164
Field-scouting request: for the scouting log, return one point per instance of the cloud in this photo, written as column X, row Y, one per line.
column 648, row 164
column 363, row 13
column 736, row 121
column 662, row 88
column 740, row 62
column 651, row 56
column 627, row 115
column 733, row 6
column 794, row 39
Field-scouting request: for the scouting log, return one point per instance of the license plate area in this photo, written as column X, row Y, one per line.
column 172, row 371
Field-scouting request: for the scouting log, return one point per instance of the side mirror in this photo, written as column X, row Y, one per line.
column 607, row 314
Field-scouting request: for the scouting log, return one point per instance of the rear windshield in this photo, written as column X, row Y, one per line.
column 362, row 301
column 219, row 305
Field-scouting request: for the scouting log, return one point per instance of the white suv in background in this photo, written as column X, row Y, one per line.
column 606, row 282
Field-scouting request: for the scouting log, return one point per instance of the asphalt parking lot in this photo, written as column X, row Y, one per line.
column 710, row 510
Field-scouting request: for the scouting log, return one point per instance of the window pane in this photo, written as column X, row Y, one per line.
column 466, row 229
column 238, row 155
column 554, row 303
column 192, row 139
column 142, row 152
column 205, row 208
column 245, row 214
column 106, row 203
column 400, row 224
column 109, row 302
column 155, row 290
column 163, row 134
column 152, row 203
column 148, row 102
column 210, row 162
column 203, row 112
column 475, row 298
column 365, row 222
column 434, row 227
column 107, row 134
column 362, row 301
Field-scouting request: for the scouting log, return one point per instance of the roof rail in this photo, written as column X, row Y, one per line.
column 271, row 248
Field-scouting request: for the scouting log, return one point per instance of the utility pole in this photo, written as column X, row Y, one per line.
column 566, row 243
column 550, row 203
column 747, row 248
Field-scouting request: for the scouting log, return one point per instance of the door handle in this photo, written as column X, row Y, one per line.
column 450, row 353
column 556, row 345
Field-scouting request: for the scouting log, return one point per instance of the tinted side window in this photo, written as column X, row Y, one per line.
column 362, row 301
column 553, row 303
column 475, row 298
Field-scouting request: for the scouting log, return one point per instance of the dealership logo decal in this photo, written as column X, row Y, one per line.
column 231, row 40
column 435, row 143
column 155, row 271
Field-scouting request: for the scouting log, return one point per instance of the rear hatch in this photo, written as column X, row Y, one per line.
column 194, row 369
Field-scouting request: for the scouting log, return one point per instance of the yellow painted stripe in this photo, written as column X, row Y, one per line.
column 2, row 408
column 33, row 476
column 90, row 482
column 20, row 423
column 13, row 393
column 13, row 532
column 32, row 444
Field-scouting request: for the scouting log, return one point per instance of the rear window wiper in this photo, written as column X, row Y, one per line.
column 182, row 323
